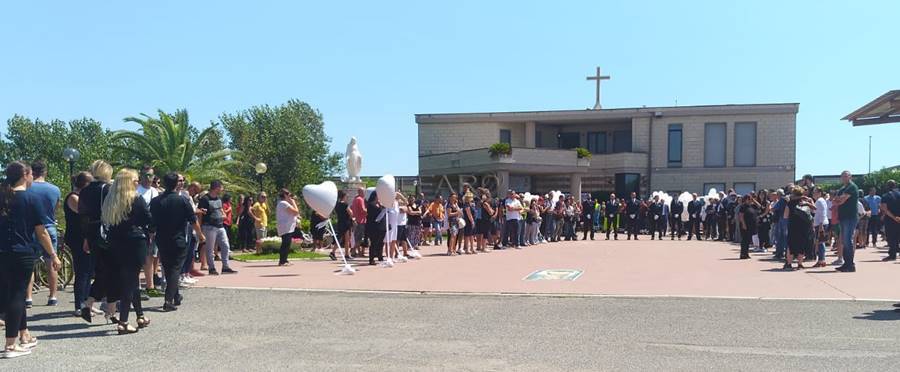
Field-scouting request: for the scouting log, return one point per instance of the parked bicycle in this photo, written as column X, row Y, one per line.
column 66, row 271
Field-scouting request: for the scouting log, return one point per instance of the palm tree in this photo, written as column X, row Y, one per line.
column 169, row 143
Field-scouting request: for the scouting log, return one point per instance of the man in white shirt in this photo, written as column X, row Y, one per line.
column 513, row 215
column 820, row 225
column 146, row 190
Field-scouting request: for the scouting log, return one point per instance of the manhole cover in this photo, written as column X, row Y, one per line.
column 554, row 274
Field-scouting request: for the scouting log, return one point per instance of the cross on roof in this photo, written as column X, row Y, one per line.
column 598, row 78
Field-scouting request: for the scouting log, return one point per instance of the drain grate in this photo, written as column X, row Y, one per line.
column 554, row 274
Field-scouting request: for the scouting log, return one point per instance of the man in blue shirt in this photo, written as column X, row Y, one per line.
column 874, row 202
column 47, row 196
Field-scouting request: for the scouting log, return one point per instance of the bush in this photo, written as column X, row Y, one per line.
column 500, row 149
column 273, row 245
column 583, row 153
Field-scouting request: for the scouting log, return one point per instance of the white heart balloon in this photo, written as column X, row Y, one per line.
column 322, row 197
column 386, row 188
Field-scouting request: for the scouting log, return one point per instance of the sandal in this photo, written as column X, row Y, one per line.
column 14, row 351
column 143, row 322
column 111, row 318
column 125, row 329
column 28, row 343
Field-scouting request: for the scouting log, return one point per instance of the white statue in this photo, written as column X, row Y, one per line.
column 354, row 161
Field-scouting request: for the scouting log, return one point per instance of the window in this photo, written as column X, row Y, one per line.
column 622, row 141
column 506, row 136
column 596, row 142
column 569, row 140
column 538, row 139
column 675, row 147
column 720, row 187
column 744, row 188
column 627, row 183
column 714, row 145
column 745, row 144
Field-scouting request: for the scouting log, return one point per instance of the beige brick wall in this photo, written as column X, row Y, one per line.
column 693, row 180
column 443, row 138
column 517, row 133
column 775, row 139
column 640, row 134
column 775, row 153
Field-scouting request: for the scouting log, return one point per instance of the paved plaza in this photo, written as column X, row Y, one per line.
column 616, row 268
column 264, row 330
column 636, row 306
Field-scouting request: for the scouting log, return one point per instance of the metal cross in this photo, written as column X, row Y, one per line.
column 598, row 78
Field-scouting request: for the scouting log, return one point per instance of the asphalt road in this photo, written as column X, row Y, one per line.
column 259, row 330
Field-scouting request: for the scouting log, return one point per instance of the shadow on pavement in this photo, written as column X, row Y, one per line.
column 880, row 315
column 64, row 336
column 46, row 316
column 60, row 327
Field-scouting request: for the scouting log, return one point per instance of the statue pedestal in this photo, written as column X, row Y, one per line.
column 350, row 187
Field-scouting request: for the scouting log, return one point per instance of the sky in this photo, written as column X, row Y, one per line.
column 370, row 66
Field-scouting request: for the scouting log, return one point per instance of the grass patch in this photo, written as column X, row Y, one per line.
column 303, row 255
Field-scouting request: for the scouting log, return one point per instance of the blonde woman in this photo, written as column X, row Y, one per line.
column 106, row 282
column 128, row 217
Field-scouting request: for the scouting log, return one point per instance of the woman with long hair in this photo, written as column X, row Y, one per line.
column 246, row 239
column 469, row 230
column 74, row 238
column 128, row 217
column 20, row 217
column 414, row 222
column 106, row 277
column 453, row 214
column 485, row 223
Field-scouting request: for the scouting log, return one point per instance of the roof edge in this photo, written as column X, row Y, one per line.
column 759, row 108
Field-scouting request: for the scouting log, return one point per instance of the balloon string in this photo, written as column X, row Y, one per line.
column 337, row 241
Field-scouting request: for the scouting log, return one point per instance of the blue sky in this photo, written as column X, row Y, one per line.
column 369, row 66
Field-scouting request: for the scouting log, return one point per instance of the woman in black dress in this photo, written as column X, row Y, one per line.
column 128, row 217
column 799, row 227
column 106, row 276
column 246, row 226
column 375, row 228
column 81, row 260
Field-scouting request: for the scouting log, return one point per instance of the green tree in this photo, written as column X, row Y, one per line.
column 169, row 143
column 30, row 140
column 289, row 138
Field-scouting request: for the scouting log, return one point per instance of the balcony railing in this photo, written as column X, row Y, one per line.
column 521, row 160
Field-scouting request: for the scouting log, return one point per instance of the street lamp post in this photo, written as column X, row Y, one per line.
column 260, row 169
column 71, row 155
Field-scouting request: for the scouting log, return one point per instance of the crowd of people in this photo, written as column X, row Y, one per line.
column 799, row 222
column 132, row 224
column 117, row 227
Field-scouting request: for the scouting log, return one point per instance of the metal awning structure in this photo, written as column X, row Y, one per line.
column 883, row 110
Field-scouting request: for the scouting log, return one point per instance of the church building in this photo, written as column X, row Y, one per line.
column 683, row 148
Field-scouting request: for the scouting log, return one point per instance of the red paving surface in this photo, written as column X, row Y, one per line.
column 616, row 268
